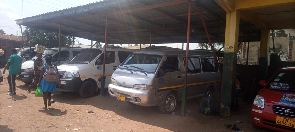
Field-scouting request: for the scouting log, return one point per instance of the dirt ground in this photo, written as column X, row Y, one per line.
column 23, row 113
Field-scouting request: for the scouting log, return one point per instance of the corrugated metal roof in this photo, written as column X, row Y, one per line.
column 131, row 21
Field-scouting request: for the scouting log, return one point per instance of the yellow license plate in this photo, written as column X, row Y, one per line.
column 289, row 122
column 121, row 97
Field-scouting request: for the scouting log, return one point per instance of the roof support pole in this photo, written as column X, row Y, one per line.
column 150, row 37
column 59, row 28
column 263, row 57
column 102, row 88
column 21, row 31
column 184, row 90
column 208, row 37
column 229, row 60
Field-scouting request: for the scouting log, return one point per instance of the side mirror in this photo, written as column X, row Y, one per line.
column 262, row 83
column 98, row 62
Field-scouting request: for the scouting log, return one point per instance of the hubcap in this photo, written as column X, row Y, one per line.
column 170, row 103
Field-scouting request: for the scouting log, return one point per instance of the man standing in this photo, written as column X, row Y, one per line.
column 13, row 65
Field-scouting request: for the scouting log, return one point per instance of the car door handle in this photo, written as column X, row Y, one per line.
column 178, row 76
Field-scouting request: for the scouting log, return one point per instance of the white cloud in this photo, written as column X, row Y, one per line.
column 8, row 15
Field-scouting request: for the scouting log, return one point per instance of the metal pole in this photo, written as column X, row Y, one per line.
column 150, row 38
column 209, row 40
column 91, row 44
column 21, row 31
column 30, row 41
column 182, row 46
column 59, row 43
column 184, row 90
column 139, row 46
column 273, row 41
column 102, row 89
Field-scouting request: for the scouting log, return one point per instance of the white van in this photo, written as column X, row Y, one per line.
column 83, row 73
column 156, row 78
column 66, row 54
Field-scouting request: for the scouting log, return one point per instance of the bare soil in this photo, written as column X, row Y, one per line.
column 23, row 113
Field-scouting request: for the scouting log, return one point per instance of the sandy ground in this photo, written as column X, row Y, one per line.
column 23, row 113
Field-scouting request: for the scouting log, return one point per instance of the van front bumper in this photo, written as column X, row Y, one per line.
column 135, row 96
column 70, row 84
column 26, row 77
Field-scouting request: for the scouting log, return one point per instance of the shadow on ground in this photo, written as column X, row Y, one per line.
column 53, row 112
column 153, row 116
column 4, row 128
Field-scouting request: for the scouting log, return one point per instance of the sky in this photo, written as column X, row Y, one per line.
column 11, row 10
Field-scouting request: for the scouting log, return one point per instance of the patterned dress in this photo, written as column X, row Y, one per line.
column 38, row 64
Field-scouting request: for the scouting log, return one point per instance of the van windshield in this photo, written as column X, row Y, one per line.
column 86, row 56
column 283, row 80
column 142, row 62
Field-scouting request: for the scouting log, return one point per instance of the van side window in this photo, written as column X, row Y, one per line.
column 110, row 57
column 194, row 65
column 64, row 55
column 171, row 64
column 123, row 55
column 208, row 65
column 75, row 53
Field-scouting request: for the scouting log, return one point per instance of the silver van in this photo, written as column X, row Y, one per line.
column 156, row 78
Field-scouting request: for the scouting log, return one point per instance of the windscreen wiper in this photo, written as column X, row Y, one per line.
column 128, row 69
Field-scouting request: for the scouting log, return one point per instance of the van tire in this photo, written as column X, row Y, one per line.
column 87, row 89
column 169, row 103
column 210, row 91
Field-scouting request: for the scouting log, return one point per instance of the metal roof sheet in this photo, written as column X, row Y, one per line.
column 132, row 21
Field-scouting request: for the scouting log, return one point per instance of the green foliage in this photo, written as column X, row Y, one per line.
column 2, row 31
column 46, row 38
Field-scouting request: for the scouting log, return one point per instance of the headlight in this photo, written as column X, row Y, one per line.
column 70, row 75
column 259, row 101
column 113, row 81
column 29, row 70
column 142, row 86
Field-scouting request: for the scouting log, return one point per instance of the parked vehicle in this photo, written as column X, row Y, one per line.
column 66, row 54
column 27, row 53
column 156, row 78
column 274, row 105
column 83, row 73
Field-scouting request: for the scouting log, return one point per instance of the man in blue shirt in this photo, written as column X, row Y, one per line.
column 14, row 66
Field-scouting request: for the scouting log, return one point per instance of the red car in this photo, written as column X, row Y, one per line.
column 274, row 105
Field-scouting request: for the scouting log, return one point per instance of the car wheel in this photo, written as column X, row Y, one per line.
column 169, row 104
column 87, row 89
column 209, row 91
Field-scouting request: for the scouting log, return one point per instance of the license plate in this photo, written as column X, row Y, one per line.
column 289, row 122
column 26, row 75
column 63, row 82
column 121, row 97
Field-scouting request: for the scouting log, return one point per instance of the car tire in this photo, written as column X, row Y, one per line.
column 169, row 104
column 210, row 91
column 87, row 89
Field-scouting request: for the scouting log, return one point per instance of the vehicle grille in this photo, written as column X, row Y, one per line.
column 273, row 124
column 61, row 73
column 283, row 110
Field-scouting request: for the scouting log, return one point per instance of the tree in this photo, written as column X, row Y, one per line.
column 46, row 38
column 2, row 32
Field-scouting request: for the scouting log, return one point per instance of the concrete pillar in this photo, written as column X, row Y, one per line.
column 263, row 59
column 230, row 57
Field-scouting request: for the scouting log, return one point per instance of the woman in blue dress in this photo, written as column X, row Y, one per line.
column 47, row 87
